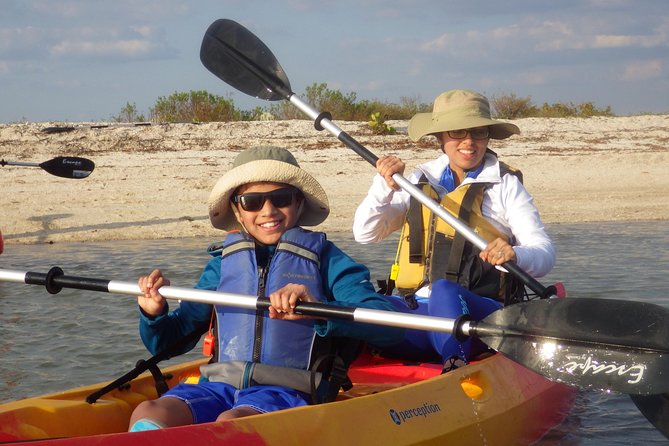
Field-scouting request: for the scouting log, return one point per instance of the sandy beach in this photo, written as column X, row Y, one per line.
column 152, row 182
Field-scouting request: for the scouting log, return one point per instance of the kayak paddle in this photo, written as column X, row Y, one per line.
column 625, row 349
column 61, row 166
column 656, row 409
column 238, row 57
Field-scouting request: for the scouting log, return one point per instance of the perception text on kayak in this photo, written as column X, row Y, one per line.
column 402, row 416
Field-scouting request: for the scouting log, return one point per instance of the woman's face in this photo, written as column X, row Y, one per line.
column 466, row 153
column 268, row 223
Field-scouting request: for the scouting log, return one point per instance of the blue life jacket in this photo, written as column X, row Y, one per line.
column 250, row 335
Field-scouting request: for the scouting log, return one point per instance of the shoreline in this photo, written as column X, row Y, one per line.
column 152, row 182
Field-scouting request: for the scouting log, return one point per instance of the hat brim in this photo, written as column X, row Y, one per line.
column 423, row 124
column 316, row 207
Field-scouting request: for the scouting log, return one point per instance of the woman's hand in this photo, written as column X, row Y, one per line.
column 498, row 252
column 388, row 166
column 284, row 301
column 152, row 302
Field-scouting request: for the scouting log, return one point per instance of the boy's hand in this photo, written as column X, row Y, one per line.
column 283, row 302
column 152, row 302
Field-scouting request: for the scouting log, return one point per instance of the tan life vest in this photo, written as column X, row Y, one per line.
column 435, row 251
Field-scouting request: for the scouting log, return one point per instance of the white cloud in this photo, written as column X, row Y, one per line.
column 68, row 83
column 643, row 70
column 533, row 78
column 375, row 85
column 437, row 44
column 506, row 32
column 544, row 36
column 67, row 8
column 124, row 48
column 416, row 68
column 16, row 39
column 621, row 41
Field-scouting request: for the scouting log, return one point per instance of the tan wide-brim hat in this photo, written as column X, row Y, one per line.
column 274, row 164
column 456, row 110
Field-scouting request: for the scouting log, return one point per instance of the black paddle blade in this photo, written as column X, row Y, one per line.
column 602, row 344
column 656, row 409
column 238, row 57
column 69, row 167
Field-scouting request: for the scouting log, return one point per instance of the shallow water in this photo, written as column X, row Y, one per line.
column 50, row 343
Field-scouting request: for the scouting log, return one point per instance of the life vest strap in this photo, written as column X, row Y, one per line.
column 454, row 263
column 416, row 225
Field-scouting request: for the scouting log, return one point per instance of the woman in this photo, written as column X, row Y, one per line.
column 469, row 180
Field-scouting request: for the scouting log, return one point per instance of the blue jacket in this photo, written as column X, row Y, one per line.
column 344, row 283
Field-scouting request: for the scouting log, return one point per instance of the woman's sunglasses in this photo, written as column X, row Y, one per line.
column 254, row 201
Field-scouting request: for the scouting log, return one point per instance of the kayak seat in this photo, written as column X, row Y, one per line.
column 371, row 368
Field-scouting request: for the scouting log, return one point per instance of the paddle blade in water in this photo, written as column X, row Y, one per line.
column 602, row 344
column 238, row 57
column 69, row 167
column 656, row 409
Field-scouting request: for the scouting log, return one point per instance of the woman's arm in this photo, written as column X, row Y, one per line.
column 380, row 213
column 514, row 207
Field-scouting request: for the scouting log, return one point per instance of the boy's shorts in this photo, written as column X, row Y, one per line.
column 207, row 400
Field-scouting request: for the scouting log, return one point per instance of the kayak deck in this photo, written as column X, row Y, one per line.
column 492, row 401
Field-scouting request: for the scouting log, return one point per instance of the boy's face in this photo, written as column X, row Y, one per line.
column 269, row 222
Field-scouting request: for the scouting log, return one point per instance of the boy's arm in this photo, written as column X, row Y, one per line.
column 347, row 283
column 165, row 330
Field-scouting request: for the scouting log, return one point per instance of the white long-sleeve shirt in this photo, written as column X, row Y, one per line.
column 506, row 204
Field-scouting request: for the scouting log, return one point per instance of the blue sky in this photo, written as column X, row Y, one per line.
column 80, row 60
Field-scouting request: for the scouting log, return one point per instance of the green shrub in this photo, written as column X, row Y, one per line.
column 379, row 126
column 562, row 110
column 509, row 106
column 129, row 114
column 195, row 106
column 201, row 106
column 588, row 109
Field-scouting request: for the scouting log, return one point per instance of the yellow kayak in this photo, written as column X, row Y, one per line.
column 492, row 401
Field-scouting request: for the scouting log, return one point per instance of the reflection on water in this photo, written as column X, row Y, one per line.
column 50, row 343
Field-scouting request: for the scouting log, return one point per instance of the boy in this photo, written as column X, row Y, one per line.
column 262, row 202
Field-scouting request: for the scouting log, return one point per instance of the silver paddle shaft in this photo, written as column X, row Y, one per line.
column 405, row 184
column 362, row 315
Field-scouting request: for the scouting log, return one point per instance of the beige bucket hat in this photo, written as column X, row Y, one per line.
column 266, row 163
column 459, row 109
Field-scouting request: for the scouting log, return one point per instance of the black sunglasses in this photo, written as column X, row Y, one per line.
column 254, row 201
